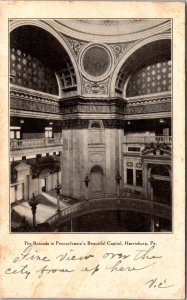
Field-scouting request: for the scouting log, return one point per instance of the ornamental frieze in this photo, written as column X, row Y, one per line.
column 97, row 109
column 99, row 88
column 24, row 104
column 90, row 109
column 151, row 108
column 84, row 123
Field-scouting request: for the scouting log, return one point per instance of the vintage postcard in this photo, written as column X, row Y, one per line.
column 92, row 149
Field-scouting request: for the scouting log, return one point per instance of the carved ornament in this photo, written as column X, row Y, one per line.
column 120, row 49
column 91, row 87
column 151, row 108
column 157, row 149
column 74, row 44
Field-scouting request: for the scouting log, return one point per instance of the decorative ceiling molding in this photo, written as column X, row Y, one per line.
column 119, row 49
column 74, row 44
column 104, row 34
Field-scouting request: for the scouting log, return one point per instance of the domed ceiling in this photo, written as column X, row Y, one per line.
column 112, row 27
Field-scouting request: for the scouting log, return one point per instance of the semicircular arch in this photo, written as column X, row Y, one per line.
column 38, row 23
column 130, row 52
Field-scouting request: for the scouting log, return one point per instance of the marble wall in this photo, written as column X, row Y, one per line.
column 96, row 152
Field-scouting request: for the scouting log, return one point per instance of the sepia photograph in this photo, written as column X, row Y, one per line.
column 92, row 120
column 90, row 125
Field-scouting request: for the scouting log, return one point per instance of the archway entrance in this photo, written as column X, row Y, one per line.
column 162, row 192
column 96, row 175
column 44, row 184
column 161, row 185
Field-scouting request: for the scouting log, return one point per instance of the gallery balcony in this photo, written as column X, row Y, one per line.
column 29, row 148
column 147, row 139
column 34, row 143
column 135, row 144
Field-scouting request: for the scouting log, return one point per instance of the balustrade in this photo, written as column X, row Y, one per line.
column 147, row 139
column 144, row 206
column 34, row 143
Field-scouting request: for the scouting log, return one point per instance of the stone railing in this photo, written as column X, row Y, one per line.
column 144, row 206
column 147, row 139
column 34, row 143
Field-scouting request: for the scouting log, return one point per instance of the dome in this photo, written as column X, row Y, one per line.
column 128, row 29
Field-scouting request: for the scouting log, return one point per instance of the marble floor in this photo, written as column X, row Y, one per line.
column 46, row 208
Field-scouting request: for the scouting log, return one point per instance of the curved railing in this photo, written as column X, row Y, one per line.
column 34, row 143
column 144, row 206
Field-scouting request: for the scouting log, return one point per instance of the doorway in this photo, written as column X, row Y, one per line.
column 96, row 181
column 161, row 185
column 44, row 184
column 162, row 192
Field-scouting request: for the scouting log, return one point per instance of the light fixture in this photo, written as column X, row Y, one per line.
column 162, row 121
column 129, row 122
column 50, row 123
column 21, row 121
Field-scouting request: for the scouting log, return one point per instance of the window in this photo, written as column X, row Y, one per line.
column 15, row 133
column 139, row 177
column 11, row 134
column 134, row 149
column 130, row 176
column 48, row 132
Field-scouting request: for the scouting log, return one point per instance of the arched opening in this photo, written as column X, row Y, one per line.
column 108, row 221
column 45, row 182
column 96, row 125
column 160, row 183
column 96, row 180
column 160, row 170
column 146, row 71
column 38, row 61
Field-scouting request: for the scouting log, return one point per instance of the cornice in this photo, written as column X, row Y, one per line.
column 84, row 100
column 149, row 96
column 146, row 116
column 18, row 91
column 149, row 100
column 22, row 100
column 33, row 114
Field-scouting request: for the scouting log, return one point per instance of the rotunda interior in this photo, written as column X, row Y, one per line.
column 90, row 125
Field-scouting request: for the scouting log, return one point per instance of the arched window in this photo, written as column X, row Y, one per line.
column 147, row 70
column 38, row 61
column 96, row 124
column 160, row 170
